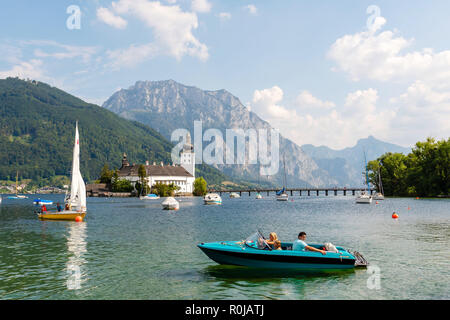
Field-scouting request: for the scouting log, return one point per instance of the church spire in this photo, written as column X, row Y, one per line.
column 125, row 162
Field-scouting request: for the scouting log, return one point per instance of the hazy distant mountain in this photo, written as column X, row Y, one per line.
column 168, row 105
column 347, row 165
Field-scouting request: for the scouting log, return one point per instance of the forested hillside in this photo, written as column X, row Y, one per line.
column 37, row 126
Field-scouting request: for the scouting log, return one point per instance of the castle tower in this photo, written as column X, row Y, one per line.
column 187, row 156
column 125, row 162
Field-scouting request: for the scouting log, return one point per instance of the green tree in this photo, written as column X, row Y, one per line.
column 423, row 172
column 115, row 179
column 200, row 187
column 122, row 185
column 141, row 187
column 106, row 174
column 429, row 165
column 393, row 168
column 165, row 190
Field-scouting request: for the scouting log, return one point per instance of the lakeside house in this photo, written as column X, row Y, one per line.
column 182, row 175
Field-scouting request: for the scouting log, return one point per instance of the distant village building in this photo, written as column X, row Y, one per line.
column 182, row 175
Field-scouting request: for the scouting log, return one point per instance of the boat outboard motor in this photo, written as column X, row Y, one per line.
column 360, row 261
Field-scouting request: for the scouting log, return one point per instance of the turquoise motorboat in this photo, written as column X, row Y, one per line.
column 256, row 252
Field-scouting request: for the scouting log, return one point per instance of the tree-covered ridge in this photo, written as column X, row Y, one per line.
column 37, row 127
column 424, row 172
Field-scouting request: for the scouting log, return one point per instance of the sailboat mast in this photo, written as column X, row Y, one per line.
column 380, row 184
column 367, row 176
column 17, row 179
column 284, row 166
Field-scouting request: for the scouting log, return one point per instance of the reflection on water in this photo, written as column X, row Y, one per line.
column 235, row 273
column 76, row 246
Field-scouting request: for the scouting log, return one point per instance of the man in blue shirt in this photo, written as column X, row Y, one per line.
column 301, row 245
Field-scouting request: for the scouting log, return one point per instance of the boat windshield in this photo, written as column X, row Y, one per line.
column 256, row 241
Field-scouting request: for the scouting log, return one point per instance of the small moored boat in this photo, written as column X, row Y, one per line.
column 234, row 195
column 255, row 252
column 378, row 196
column 150, row 196
column 282, row 196
column 212, row 198
column 170, row 204
column 364, row 198
column 42, row 201
column 17, row 196
column 258, row 196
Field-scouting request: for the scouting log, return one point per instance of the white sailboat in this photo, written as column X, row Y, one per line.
column 282, row 195
column 258, row 194
column 17, row 196
column 365, row 197
column 75, row 202
column 380, row 194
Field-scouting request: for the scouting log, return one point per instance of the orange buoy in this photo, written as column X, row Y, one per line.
column 394, row 216
column 409, row 208
column 417, row 198
column 376, row 202
column 78, row 219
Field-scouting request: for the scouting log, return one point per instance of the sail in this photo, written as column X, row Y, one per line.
column 78, row 188
column 281, row 191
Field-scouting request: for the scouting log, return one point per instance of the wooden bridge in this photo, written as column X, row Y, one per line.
column 299, row 191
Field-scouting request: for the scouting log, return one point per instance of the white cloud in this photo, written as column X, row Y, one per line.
column 201, row 6
column 25, row 69
column 105, row 15
column 265, row 102
column 68, row 51
column 171, row 29
column 422, row 111
column 131, row 56
column 306, row 102
column 320, row 122
column 224, row 16
column 382, row 57
column 251, row 8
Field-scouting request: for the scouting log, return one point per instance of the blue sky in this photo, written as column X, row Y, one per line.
column 313, row 69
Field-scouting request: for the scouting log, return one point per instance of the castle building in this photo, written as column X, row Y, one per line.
column 182, row 175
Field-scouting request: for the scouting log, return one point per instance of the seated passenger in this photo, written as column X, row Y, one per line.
column 272, row 238
column 277, row 245
column 301, row 245
column 58, row 206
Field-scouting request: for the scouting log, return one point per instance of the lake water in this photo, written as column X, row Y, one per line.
column 131, row 249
